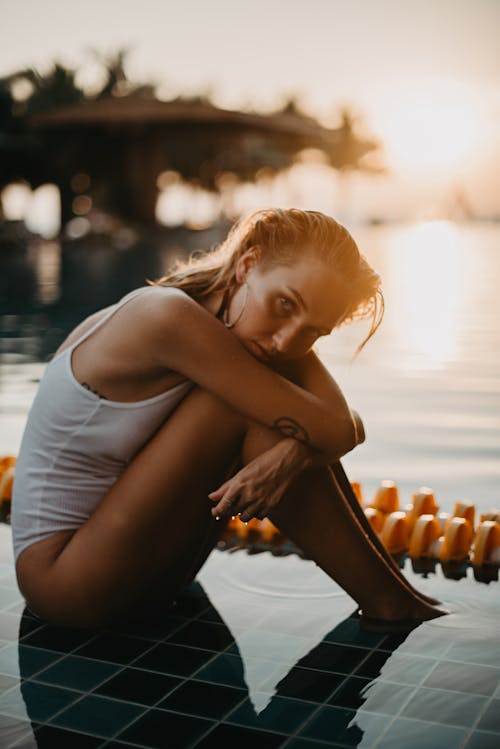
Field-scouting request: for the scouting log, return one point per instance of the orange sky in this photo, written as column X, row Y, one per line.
column 423, row 76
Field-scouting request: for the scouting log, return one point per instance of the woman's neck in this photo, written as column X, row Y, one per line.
column 214, row 303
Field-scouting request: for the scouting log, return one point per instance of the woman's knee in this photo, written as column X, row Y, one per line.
column 258, row 439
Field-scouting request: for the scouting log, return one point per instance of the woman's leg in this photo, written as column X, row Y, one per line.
column 316, row 516
column 152, row 530
column 352, row 502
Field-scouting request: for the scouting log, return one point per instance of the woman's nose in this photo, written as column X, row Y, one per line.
column 283, row 339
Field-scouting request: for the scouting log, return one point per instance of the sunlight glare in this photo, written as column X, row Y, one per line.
column 426, row 282
column 432, row 127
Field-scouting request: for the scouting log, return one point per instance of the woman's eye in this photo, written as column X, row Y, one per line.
column 286, row 304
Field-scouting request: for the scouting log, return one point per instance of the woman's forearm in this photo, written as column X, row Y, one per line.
column 301, row 457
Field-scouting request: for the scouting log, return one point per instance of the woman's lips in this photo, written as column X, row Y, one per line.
column 260, row 351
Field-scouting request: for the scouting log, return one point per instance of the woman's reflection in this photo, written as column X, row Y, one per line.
column 321, row 679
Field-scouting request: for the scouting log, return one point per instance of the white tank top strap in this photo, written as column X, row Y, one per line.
column 115, row 307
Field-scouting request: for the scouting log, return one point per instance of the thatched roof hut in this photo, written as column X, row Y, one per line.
column 124, row 143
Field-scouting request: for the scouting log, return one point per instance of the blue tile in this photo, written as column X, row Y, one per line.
column 77, row 673
column 281, row 714
column 205, row 700
column 307, row 744
column 152, row 630
column 25, row 661
column 442, row 706
column 60, row 639
column 13, row 731
column 490, row 721
column 228, row 669
column 338, row 658
column 397, row 667
column 28, row 624
column 415, row 734
column 273, row 646
column 479, row 652
column 173, row 659
column 375, row 696
column 136, row 685
column 98, row 716
column 309, row 684
column 38, row 701
column 9, row 626
column 349, row 632
column 483, row 740
column 425, row 640
column 8, row 597
column 463, row 678
column 345, row 727
column 159, row 728
column 211, row 615
column 50, row 737
column 225, row 735
column 207, row 635
column 7, row 682
column 114, row 648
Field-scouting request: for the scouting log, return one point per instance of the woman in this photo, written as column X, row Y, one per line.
column 191, row 400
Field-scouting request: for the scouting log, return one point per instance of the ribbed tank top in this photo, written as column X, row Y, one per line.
column 75, row 445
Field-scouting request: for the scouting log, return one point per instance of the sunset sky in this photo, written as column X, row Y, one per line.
column 423, row 77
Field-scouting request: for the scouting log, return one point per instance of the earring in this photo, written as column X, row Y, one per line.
column 230, row 325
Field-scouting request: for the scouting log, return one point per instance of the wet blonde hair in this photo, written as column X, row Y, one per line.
column 283, row 236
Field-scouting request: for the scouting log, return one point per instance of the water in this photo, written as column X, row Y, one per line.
column 427, row 386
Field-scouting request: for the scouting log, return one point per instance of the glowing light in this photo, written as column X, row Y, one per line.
column 427, row 283
column 180, row 203
column 433, row 126
column 15, row 201
column 43, row 215
column 80, row 182
column 82, row 205
column 77, row 227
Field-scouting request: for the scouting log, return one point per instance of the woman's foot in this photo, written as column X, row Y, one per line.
column 387, row 618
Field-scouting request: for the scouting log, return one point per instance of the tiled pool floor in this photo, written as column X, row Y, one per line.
column 259, row 652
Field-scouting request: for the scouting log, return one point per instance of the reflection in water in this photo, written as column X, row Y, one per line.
column 285, row 632
column 48, row 270
column 312, row 679
column 426, row 275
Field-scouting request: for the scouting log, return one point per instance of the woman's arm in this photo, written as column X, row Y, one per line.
column 312, row 375
column 261, row 483
column 184, row 337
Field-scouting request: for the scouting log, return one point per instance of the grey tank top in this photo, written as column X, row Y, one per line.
column 75, row 445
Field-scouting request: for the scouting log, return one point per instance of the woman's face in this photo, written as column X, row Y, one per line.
column 287, row 308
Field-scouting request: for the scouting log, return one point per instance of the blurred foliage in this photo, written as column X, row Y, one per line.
column 125, row 158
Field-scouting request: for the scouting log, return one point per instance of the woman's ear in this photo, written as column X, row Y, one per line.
column 247, row 262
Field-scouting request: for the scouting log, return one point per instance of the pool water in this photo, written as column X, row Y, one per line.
column 259, row 651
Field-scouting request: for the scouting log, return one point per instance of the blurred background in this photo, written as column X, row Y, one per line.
column 135, row 133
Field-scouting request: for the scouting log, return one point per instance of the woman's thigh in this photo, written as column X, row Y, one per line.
column 152, row 530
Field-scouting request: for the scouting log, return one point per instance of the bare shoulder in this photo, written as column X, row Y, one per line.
column 81, row 329
column 165, row 308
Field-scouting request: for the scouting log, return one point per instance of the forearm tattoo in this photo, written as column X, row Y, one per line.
column 291, row 428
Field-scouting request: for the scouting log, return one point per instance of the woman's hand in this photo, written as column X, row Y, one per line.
column 260, row 485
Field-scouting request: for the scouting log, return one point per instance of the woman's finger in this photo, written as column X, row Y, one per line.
column 253, row 510
column 226, row 504
column 218, row 493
